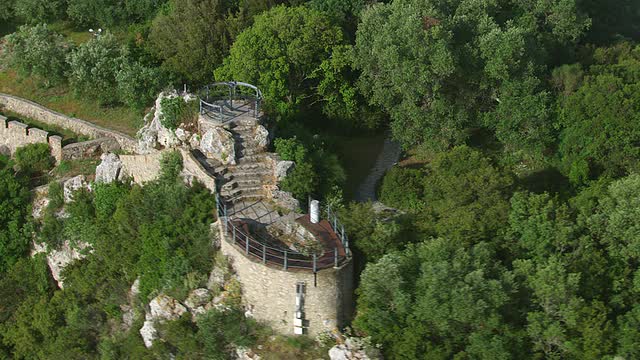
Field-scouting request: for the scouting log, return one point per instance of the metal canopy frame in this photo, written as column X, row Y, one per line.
column 214, row 98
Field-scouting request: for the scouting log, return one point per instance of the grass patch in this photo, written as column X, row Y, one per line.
column 73, row 34
column 61, row 99
column 358, row 156
column 68, row 136
column 71, row 168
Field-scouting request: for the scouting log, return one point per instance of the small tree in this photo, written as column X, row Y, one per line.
column 94, row 66
column 138, row 84
column 39, row 11
column 39, row 51
column 34, row 158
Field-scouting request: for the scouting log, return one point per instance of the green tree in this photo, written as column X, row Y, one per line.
column 461, row 195
column 39, row 11
column 280, row 53
column 14, row 230
column 39, row 51
column 436, row 300
column 34, row 159
column 191, row 38
column 440, row 68
column 599, row 119
column 94, row 66
column 138, row 85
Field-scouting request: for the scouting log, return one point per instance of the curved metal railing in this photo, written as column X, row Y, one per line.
column 214, row 98
column 261, row 250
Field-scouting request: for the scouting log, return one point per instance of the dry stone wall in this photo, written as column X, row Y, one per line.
column 14, row 134
column 270, row 293
column 36, row 111
column 142, row 168
column 89, row 149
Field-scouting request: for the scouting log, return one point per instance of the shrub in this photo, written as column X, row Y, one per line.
column 39, row 11
column 176, row 111
column 34, row 159
column 39, row 51
column 138, row 84
column 94, row 66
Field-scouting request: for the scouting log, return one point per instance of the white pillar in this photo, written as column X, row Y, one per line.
column 315, row 211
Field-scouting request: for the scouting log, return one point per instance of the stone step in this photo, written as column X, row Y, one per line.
column 257, row 190
column 248, row 151
column 245, row 198
column 256, row 158
column 247, row 182
column 257, row 174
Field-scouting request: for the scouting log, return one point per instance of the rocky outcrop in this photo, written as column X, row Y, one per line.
column 216, row 279
column 153, row 134
column 284, row 199
column 74, row 184
column 58, row 259
column 217, row 143
column 243, row 353
column 354, row 348
column 109, row 169
column 282, row 169
column 164, row 307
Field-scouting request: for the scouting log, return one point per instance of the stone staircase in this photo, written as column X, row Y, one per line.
column 244, row 181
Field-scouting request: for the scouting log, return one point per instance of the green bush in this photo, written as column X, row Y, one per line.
column 176, row 111
column 138, row 85
column 39, row 51
column 94, row 66
column 34, row 159
column 39, row 11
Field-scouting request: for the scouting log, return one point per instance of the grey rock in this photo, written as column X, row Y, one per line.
column 216, row 279
column 58, row 259
column 109, row 169
column 261, row 136
column 197, row 298
column 285, row 199
column 164, row 307
column 217, row 143
column 339, row 352
column 73, row 184
column 283, row 168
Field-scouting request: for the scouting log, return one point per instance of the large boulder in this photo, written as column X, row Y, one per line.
column 153, row 133
column 109, row 169
column 164, row 307
column 73, row 184
column 261, row 137
column 283, row 168
column 148, row 333
column 216, row 279
column 217, row 143
column 355, row 348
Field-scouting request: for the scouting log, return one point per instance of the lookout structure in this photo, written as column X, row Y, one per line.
column 295, row 269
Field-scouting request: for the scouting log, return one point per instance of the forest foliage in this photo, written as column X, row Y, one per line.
column 515, row 230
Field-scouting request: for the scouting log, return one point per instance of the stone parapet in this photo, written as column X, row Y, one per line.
column 14, row 134
column 36, row 111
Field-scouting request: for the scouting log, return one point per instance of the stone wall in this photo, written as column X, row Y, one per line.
column 142, row 168
column 270, row 293
column 193, row 168
column 89, row 149
column 38, row 112
column 14, row 134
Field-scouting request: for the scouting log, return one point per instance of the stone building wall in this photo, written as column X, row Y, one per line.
column 38, row 112
column 14, row 134
column 270, row 293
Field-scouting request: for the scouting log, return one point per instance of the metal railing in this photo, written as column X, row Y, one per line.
column 262, row 250
column 226, row 93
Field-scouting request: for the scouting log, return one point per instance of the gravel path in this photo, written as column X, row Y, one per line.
column 390, row 155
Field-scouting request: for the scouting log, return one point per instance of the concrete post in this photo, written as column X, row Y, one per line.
column 315, row 211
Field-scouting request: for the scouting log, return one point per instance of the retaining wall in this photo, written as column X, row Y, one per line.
column 270, row 293
column 14, row 134
column 142, row 168
column 192, row 167
column 38, row 112
column 89, row 149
